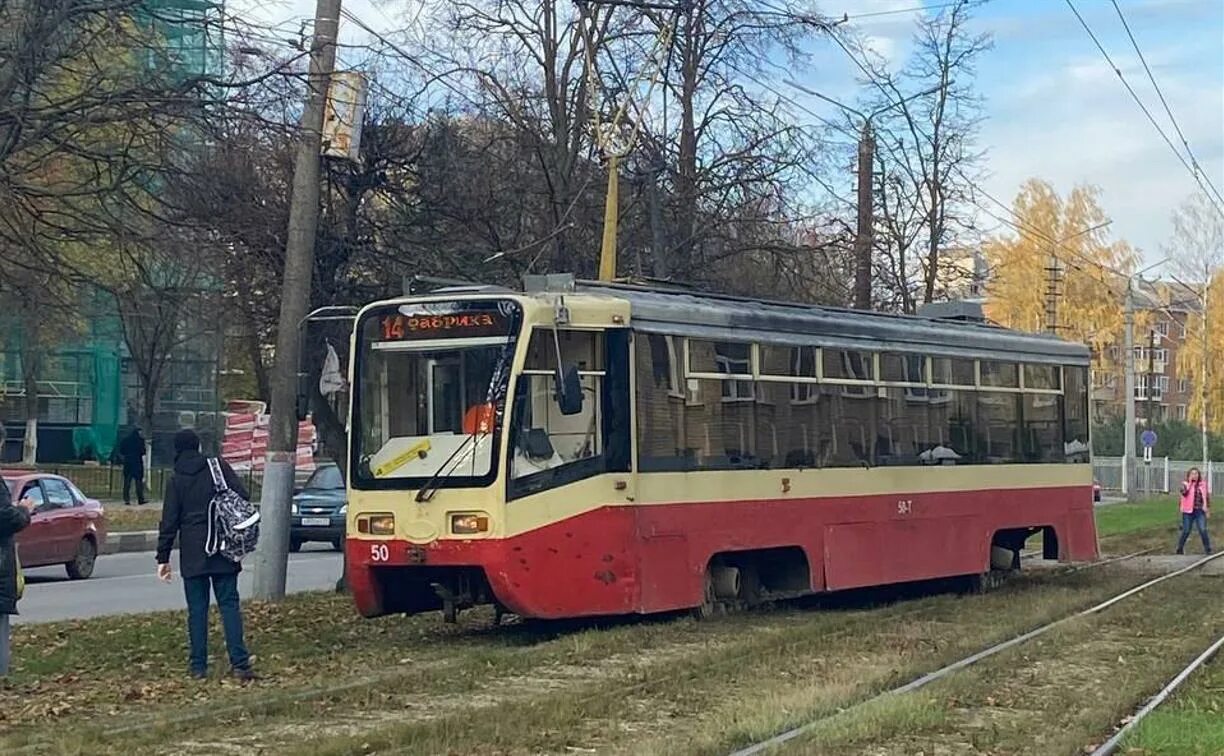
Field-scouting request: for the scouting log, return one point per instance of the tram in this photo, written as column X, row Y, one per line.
column 580, row 449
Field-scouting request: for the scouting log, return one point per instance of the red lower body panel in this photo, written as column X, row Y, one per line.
column 653, row 558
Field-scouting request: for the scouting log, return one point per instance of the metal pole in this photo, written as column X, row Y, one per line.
column 1151, row 387
column 271, row 559
column 1128, row 459
column 1206, row 373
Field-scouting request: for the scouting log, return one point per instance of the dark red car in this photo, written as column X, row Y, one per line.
column 66, row 528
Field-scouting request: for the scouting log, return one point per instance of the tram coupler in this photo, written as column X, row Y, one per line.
column 452, row 602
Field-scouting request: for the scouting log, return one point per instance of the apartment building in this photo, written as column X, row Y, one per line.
column 1162, row 391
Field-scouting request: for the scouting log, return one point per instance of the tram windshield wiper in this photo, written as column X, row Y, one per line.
column 445, row 470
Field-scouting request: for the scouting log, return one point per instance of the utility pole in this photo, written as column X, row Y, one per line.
column 1128, row 459
column 1053, row 292
column 1205, row 376
column 1151, row 381
column 863, row 240
column 271, row 559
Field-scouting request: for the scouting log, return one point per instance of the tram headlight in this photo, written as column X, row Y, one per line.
column 469, row 523
column 376, row 524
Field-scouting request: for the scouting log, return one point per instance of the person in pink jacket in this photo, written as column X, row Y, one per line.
column 1195, row 507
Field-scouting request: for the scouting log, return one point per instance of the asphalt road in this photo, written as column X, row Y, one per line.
column 125, row 584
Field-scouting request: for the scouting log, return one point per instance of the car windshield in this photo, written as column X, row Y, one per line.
column 327, row 478
column 431, row 383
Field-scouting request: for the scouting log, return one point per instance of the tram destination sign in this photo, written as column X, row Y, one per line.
column 468, row 323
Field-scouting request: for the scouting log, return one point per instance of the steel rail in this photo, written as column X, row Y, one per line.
column 1111, row 746
column 939, row 674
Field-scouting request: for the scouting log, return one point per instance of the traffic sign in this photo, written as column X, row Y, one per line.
column 1148, row 438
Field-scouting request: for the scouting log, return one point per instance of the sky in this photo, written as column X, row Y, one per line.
column 1054, row 108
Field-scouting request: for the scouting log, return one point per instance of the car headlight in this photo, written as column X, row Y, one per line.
column 343, row 509
column 293, row 508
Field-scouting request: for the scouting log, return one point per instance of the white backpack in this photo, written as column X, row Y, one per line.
column 233, row 522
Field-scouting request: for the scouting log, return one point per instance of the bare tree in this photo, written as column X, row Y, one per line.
column 927, row 153
column 1197, row 251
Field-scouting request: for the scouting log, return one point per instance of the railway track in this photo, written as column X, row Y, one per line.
column 949, row 669
column 1112, row 745
column 281, row 701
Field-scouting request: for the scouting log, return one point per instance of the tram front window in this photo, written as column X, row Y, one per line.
column 428, row 407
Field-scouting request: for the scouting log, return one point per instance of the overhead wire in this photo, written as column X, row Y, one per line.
column 1165, row 103
column 898, row 11
column 1146, row 112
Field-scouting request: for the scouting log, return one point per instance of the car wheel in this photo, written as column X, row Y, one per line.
column 82, row 565
column 295, row 545
column 338, row 544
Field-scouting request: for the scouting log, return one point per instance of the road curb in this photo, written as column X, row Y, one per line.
column 126, row 543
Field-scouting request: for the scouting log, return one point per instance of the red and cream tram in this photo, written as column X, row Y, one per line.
column 609, row 449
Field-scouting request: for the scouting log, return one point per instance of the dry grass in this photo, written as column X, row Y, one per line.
column 1057, row 694
column 416, row 686
column 121, row 519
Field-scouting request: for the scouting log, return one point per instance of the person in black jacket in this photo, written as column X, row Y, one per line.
column 13, row 519
column 185, row 515
column 132, row 450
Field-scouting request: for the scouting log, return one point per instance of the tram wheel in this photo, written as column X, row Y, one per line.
column 710, row 606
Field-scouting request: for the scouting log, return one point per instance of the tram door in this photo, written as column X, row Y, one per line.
column 445, row 392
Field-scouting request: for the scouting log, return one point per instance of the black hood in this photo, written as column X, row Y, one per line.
column 190, row 463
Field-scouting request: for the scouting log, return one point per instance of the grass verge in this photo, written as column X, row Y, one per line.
column 121, row 519
column 658, row 686
column 1119, row 519
column 1192, row 724
column 1056, row 694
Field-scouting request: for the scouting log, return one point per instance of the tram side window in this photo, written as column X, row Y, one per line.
column 852, row 412
column 1043, row 428
column 551, row 449
column 662, row 438
column 793, row 426
column 901, row 432
column 998, row 427
column 1075, row 414
column 955, row 437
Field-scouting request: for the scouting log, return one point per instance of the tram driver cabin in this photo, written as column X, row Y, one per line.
column 609, row 449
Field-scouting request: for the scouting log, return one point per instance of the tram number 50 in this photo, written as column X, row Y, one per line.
column 379, row 552
column 905, row 506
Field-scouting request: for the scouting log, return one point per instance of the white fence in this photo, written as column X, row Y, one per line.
column 1161, row 475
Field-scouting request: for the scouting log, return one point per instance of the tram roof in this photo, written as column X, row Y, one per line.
column 715, row 316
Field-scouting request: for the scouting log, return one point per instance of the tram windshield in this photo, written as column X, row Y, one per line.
column 431, row 384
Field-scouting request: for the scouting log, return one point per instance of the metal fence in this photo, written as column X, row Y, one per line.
column 1160, row 476
column 105, row 482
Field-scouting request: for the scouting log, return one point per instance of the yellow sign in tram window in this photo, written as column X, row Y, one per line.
column 417, row 451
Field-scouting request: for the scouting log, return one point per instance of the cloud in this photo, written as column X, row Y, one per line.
column 1076, row 124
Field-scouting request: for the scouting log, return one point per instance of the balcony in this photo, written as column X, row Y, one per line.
column 1156, row 366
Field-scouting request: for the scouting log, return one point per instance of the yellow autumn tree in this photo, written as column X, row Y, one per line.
column 1190, row 357
column 1048, row 228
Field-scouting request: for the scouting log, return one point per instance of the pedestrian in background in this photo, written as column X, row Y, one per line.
column 185, row 515
column 13, row 519
column 132, row 450
column 1195, row 508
